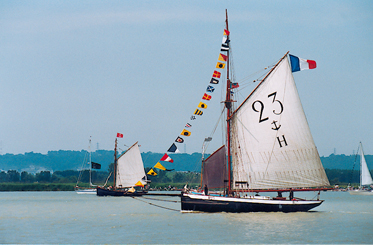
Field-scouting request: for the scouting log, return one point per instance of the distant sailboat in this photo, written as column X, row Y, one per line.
column 128, row 173
column 269, row 148
column 88, row 159
column 365, row 177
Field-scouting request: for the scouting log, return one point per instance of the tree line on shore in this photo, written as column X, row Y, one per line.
column 71, row 177
column 67, row 160
column 68, row 179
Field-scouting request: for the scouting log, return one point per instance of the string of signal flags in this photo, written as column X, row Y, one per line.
column 207, row 96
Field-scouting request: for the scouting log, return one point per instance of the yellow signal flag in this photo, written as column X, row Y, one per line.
column 186, row 132
column 159, row 166
column 152, row 172
column 198, row 112
column 220, row 65
column 202, row 105
column 223, row 57
column 139, row 183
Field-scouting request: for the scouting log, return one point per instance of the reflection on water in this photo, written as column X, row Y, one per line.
column 65, row 217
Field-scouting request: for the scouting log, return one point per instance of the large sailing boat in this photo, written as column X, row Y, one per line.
column 128, row 173
column 269, row 148
column 365, row 177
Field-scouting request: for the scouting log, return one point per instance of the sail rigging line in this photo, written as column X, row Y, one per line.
column 107, row 179
column 261, row 82
column 159, row 206
column 87, row 157
column 216, row 126
column 255, row 73
column 246, row 82
column 82, row 168
column 161, row 200
column 247, row 129
column 232, row 72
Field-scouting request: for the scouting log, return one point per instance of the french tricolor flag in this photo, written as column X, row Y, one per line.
column 299, row 64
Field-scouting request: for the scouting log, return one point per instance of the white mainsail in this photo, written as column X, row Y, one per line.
column 365, row 177
column 271, row 143
column 130, row 168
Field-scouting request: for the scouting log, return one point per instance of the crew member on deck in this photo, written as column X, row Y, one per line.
column 291, row 195
column 206, row 190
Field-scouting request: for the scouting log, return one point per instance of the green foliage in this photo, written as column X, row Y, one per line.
column 35, row 187
column 188, row 166
column 43, row 176
column 3, row 177
column 351, row 162
column 27, row 178
column 68, row 160
column 72, row 160
column 14, row 176
column 344, row 177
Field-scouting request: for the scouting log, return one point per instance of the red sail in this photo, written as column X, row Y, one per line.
column 215, row 169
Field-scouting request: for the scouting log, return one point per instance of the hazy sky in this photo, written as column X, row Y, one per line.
column 74, row 69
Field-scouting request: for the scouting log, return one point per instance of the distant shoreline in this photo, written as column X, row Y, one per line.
column 9, row 186
column 36, row 187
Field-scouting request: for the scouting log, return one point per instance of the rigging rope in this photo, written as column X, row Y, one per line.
column 353, row 167
column 216, row 125
column 156, row 205
column 160, row 199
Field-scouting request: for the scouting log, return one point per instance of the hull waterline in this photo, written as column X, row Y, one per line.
column 110, row 192
column 201, row 203
column 361, row 192
column 86, row 191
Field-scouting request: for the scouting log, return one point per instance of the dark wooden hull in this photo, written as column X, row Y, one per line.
column 118, row 192
column 201, row 203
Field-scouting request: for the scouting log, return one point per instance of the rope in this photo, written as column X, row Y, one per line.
column 160, row 200
column 353, row 167
column 156, row 205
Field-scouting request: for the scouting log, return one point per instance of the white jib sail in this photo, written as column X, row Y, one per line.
column 130, row 168
column 271, row 145
column 366, row 178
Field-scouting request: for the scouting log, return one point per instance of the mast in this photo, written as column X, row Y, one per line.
column 115, row 164
column 90, row 162
column 361, row 164
column 228, row 105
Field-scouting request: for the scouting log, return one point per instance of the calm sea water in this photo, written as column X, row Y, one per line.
column 66, row 217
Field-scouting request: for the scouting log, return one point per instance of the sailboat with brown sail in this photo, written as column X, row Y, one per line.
column 269, row 148
column 129, row 174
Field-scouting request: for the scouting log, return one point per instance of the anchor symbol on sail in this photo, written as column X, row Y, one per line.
column 276, row 127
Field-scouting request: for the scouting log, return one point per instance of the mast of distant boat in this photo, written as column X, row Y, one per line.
column 90, row 162
column 361, row 164
column 115, row 164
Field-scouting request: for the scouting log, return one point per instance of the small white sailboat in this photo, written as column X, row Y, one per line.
column 88, row 159
column 129, row 172
column 365, row 177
